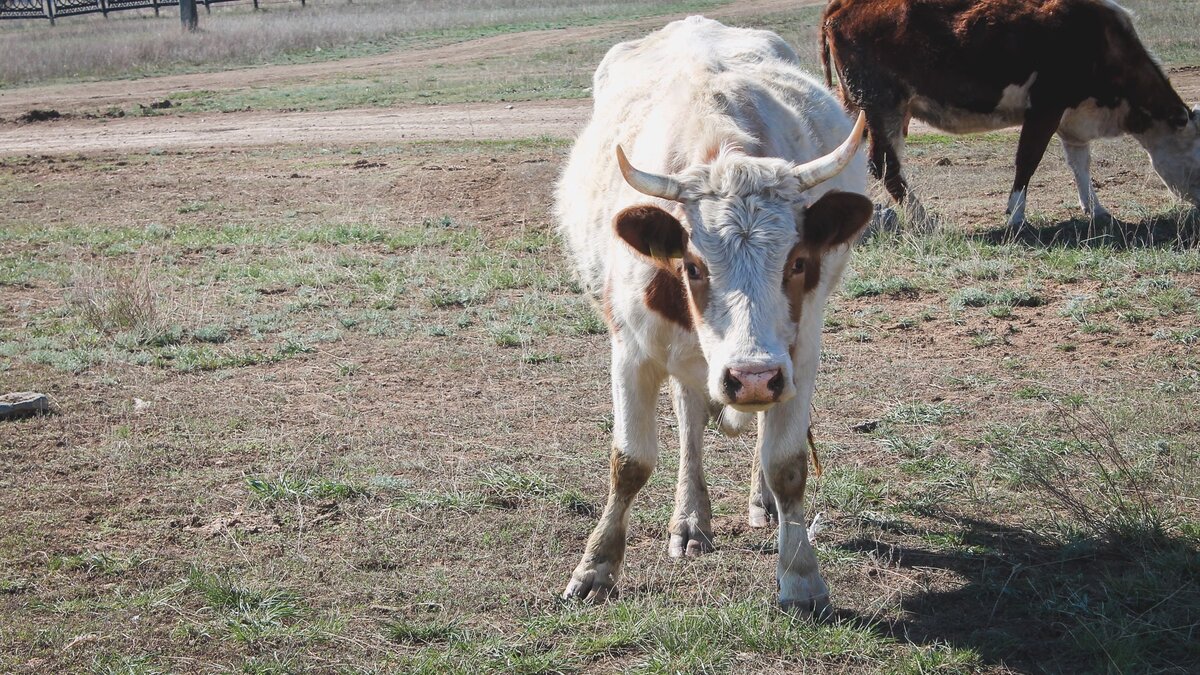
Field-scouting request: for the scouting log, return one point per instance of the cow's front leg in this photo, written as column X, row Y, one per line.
column 785, row 466
column 691, row 523
column 1079, row 158
column 635, row 383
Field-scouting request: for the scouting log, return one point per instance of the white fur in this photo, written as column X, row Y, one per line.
column 672, row 100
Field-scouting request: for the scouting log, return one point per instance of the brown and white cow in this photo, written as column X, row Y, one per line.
column 1072, row 66
column 707, row 208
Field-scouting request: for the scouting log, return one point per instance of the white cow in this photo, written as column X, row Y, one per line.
column 712, row 261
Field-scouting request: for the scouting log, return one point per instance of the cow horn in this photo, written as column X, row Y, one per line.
column 822, row 169
column 648, row 183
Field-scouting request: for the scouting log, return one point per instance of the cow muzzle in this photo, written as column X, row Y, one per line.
column 753, row 388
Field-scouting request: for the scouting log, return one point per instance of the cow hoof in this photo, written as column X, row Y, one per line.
column 817, row 608
column 804, row 595
column 763, row 515
column 691, row 543
column 592, row 585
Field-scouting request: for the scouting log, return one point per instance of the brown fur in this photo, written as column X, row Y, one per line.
column 665, row 296
column 831, row 221
column 652, row 232
column 788, row 477
column 627, row 476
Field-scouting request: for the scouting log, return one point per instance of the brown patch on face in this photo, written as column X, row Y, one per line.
column 831, row 221
column 627, row 476
column 697, row 289
column 801, row 275
column 665, row 296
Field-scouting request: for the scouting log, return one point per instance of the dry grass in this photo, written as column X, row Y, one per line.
column 128, row 45
column 111, row 299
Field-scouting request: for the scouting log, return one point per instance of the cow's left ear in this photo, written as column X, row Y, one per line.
column 835, row 219
column 652, row 232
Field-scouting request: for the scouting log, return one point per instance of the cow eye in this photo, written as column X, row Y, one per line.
column 693, row 272
column 797, row 265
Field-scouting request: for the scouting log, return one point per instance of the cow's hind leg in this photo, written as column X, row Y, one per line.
column 1079, row 158
column 886, row 153
column 691, row 523
column 635, row 383
column 1040, row 125
column 762, row 502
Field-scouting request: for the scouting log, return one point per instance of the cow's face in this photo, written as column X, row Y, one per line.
column 1175, row 156
column 748, row 252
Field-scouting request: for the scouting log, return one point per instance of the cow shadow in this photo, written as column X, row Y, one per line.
column 1024, row 603
column 1178, row 228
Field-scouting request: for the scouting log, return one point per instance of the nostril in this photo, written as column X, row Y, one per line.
column 776, row 383
column 732, row 384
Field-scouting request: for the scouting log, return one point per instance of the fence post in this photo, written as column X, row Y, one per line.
column 155, row 7
column 207, row 9
column 187, row 15
column 256, row 5
column 50, row 11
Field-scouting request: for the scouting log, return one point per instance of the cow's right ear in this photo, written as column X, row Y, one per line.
column 652, row 232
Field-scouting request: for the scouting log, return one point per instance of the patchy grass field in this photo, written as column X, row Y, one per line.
column 342, row 409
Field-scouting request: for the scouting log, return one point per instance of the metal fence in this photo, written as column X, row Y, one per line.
column 51, row 9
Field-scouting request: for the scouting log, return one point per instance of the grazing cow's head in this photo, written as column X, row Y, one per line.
column 1175, row 155
column 749, row 251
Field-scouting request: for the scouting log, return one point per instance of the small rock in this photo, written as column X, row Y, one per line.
column 945, row 161
column 23, row 404
column 509, row 107
column 139, row 405
column 865, row 426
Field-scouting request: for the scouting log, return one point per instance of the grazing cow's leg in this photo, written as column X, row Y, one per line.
column 782, row 441
column 762, row 502
column 691, row 524
column 635, row 383
column 1039, row 127
column 884, row 156
column 1079, row 158
column 887, row 138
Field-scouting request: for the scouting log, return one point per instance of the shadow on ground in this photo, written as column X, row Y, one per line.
column 1037, row 606
column 1177, row 228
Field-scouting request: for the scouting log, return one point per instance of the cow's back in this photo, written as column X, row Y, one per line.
column 963, row 54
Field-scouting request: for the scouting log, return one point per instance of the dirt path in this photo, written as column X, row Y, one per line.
column 561, row 119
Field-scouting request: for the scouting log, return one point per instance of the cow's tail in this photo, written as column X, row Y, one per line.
column 825, row 64
column 825, row 42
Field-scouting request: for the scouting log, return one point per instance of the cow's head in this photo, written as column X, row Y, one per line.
column 748, row 249
column 1175, row 155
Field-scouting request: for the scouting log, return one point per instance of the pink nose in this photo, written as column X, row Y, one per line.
column 753, row 384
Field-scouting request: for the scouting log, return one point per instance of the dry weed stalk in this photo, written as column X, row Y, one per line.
column 1110, row 501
